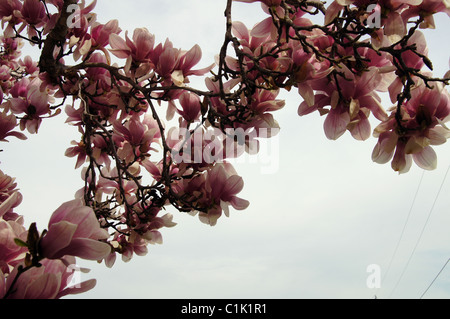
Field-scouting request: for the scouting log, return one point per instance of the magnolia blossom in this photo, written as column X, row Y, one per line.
column 10, row 197
column 426, row 9
column 50, row 281
column 423, row 121
column 138, row 165
column 190, row 106
column 34, row 106
column 10, row 253
column 74, row 230
column 222, row 186
column 142, row 235
column 138, row 49
column 33, row 12
column 213, row 192
column 7, row 124
column 351, row 101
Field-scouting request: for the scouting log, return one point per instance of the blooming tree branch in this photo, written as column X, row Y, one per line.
column 150, row 141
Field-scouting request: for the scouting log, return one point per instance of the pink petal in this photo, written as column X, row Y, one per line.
column 18, row 105
column 119, row 46
column 62, row 210
column 233, row 185
column 332, row 12
column 166, row 62
column 263, row 29
column 192, row 57
column 19, row 135
column 87, row 223
column 384, row 149
column 45, row 286
column 86, row 248
column 9, row 203
column 371, row 103
column 151, row 168
column 438, row 135
column 240, row 31
column 144, row 42
column 426, row 159
column 57, row 238
column 401, row 162
column 78, row 289
column 335, row 124
column 395, row 27
column 306, row 91
column 217, row 179
column 361, row 131
column 239, row 203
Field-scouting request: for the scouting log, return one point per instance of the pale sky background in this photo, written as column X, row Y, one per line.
column 314, row 224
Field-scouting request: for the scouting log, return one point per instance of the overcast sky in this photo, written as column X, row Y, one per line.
column 320, row 216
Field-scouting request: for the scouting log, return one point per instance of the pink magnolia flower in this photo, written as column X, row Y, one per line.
column 138, row 49
column 6, row 81
column 99, row 151
column 79, row 150
column 185, row 62
column 20, row 88
column 29, row 66
column 7, row 124
column 10, row 253
column 50, row 281
column 190, row 106
column 411, row 59
column 134, row 137
column 74, row 230
column 8, row 7
column 33, row 12
column 142, row 234
column 426, row 9
column 257, row 42
column 35, row 105
column 350, row 103
column 10, row 197
column 393, row 24
column 222, row 185
column 101, row 32
column 10, row 51
column 262, row 104
column 97, row 39
column 99, row 78
column 423, row 118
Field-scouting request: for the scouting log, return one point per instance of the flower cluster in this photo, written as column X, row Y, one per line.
column 130, row 98
column 341, row 72
column 41, row 266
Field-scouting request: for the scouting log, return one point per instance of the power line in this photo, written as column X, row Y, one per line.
column 443, row 267
column 421, row 233
column 403, row 230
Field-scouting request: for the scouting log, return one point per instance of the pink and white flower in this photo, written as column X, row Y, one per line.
column 74, row 230
column 50, row 281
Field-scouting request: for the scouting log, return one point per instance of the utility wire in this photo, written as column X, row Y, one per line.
column 403, row 230
column 421, row 233
column 443, row 267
